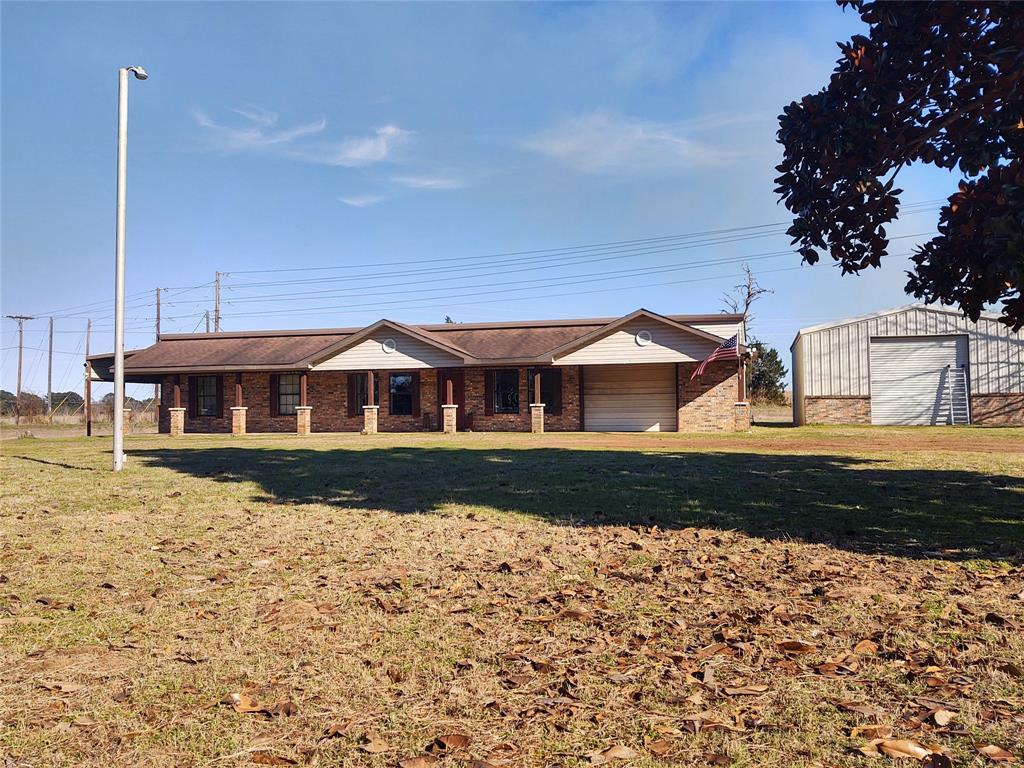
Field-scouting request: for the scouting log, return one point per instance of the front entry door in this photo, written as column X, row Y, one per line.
column 458, row 380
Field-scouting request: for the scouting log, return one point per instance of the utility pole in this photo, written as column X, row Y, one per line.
column 156, row 387
column 216, row 304
column 49, row 377
column 88, row 381
column 21, row 345
column 207, row 321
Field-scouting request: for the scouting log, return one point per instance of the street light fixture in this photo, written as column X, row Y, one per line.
column 122, row 182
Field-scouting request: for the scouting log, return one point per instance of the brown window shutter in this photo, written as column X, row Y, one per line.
column 274, row 399
column 555, row 409
column 416, row 394
column 351, row 393
column 193, row 397
column 488, row 393
column 220, row 397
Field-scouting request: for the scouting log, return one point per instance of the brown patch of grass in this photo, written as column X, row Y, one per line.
column 394, row 590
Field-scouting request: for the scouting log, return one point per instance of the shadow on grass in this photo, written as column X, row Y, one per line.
column 854, row 503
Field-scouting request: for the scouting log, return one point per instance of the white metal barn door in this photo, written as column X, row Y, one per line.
column 629, row 398
column 910, row 378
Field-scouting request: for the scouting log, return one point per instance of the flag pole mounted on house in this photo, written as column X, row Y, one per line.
column 723, row 351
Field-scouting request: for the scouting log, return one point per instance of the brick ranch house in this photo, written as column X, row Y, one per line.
column 631, row 373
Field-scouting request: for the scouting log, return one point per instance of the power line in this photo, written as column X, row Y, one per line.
column 614, row 243
column 564, row 282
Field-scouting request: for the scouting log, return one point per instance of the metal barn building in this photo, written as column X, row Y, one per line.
column 916, row 364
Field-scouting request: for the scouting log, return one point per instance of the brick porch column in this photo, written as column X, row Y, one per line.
column 126, row 424
column 177, row 421
column 370, row 419
column 303, row 417
column 449, row 413
column 238, row 419
column 537, row 417
column 741, row 417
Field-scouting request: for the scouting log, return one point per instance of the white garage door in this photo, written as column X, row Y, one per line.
column 909, row 378
column 629, row 398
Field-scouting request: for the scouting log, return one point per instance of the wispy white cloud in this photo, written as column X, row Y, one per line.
column 429, row 182
column 362, row 201
column 260, row 133
column 356, row 152
column 604, row 143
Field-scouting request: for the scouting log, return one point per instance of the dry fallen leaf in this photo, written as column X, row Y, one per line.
column 269, row 758
column 242, row 703
column 997, row 754
column 616, row 752
column 374, row 744
column 942, row 717
column 660, row 747
column 60, row 686
column 795, row 647
column 866, row 648
column 899, row 748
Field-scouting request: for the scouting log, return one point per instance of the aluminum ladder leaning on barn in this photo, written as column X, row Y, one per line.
column 959, row 398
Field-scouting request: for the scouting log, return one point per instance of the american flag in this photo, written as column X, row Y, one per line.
column 724, row 351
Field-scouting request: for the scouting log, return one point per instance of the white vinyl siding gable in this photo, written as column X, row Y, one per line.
column 667, row 345
column 369, row 354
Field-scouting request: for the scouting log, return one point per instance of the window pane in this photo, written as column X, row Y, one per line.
column 206, row 395
column 401, row 394
column 506, row 391
column 287, row 394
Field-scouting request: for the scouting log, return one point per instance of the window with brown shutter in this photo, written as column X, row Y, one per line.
column 205, row 396
column 350, row 394
column 506, row 390
column 401, row 389
column 288, row 385
column 273, row 394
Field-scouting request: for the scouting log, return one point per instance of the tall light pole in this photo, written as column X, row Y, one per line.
column 122, row 183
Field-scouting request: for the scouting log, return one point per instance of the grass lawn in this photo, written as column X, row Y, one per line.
column 518, row 600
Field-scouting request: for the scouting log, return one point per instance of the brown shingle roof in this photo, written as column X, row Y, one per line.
column 292, row 350
column 223, row 350
column 512, row 343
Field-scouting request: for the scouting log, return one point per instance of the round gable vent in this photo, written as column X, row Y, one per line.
column 389, row 346
column 643, row 338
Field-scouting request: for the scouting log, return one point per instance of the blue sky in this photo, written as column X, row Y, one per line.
column 378, row 140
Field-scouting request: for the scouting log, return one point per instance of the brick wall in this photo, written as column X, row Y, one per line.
column 837, row 410
column 998, row 409
column 326, row 392
column 567, row 421
column 708, row 403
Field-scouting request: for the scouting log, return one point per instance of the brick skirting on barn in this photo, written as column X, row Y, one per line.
column 998, row 409
column 706, row 404
column 837, row 410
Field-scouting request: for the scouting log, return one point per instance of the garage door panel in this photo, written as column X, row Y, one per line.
column 629, row 398
column 909, row 378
